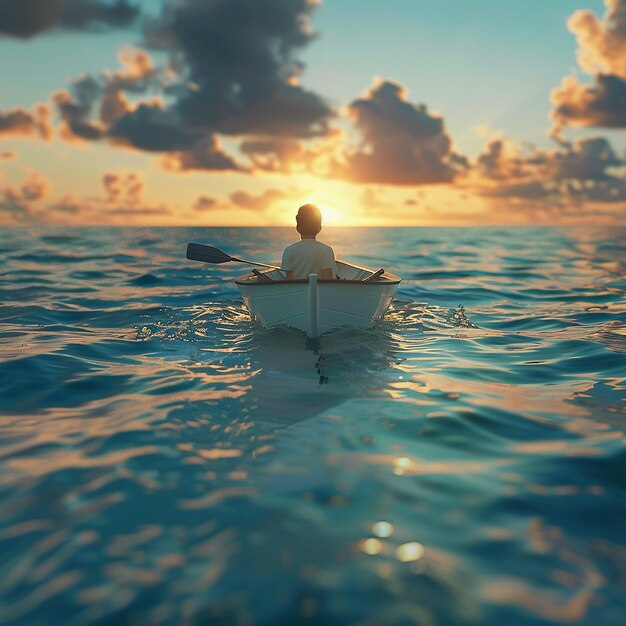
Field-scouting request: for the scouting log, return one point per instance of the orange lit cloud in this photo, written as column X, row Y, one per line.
column 262, row 201
column 206, row 154
column 601, row 53
column 123, row 189
column 19, row 203
column 578, row 181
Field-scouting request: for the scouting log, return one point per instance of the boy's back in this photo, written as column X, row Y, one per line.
column 308, row 256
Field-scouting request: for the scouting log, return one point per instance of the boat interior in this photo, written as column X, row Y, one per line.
column 345, row 272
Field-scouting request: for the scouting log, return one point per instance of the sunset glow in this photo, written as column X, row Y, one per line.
column 123, row 120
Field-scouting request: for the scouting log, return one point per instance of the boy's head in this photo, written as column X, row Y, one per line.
column 308, row 220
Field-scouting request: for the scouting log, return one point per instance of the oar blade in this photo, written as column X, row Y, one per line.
column 207, row 254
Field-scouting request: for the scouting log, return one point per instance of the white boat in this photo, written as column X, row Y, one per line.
column 356, row 298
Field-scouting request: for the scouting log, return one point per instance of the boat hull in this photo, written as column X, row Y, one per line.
column 339, row 304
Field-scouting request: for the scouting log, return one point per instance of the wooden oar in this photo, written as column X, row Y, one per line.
column 210, row 254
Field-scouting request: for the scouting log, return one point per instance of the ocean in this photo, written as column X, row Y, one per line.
column 163, row 461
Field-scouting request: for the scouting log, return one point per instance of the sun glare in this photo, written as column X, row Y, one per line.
column 331, row 215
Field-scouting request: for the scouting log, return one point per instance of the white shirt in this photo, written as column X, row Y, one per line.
column 308, row 256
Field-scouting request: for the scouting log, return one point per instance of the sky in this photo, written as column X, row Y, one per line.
column 235, row 112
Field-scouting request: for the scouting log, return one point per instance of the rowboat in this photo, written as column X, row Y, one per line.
column 356, row 298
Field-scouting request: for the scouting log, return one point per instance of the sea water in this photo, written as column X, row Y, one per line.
column 165, row 461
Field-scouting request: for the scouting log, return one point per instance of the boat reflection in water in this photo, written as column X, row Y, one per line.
column 294, row 378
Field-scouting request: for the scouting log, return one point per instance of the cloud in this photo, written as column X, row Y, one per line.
column 232, row 69
column 602, row 54
column 500, row 161
column 35, row 187
column 585, row 171
column 96, row 108
column 263, row 201
column 152, row 128
column 18, row 203
column 141, row 211
column 238, row 66
column 12, row 205
column 371, row 200
column 273, row 155
column 125, row 189
column 600, row 104
column 23, row 122
column 75, row 109
column 401, row 143
column 7, row 155
column 205, row 203
column 206, row 154
column 602, row 43
column 25, row 19
column 68, row 204
column 123, row 198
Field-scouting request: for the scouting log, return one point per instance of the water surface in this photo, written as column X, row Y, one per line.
column 164, row 461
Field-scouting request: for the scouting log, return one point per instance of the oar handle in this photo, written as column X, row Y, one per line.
column 374, row 276
column 273, row 267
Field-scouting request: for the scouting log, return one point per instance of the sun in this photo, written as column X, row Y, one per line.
column 331, row 214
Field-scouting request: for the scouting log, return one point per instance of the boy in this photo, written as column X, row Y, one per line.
column 308, row 256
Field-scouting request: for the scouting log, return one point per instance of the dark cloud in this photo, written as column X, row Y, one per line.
column 602, row 54
column 27, row 18
column 75, row 109
column 24, row 122
column 239, row 67
column 587, row 170
column 205, row 203
column 151, row 127
column 97, row 108
column 496, row 164
column 206, row 154
column 232, row 69
column 601, row 104
column 402, row 143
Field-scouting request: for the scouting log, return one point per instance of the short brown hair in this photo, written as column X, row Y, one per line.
column 309, row 220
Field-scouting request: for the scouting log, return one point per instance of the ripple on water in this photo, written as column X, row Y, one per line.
column 165, row 460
